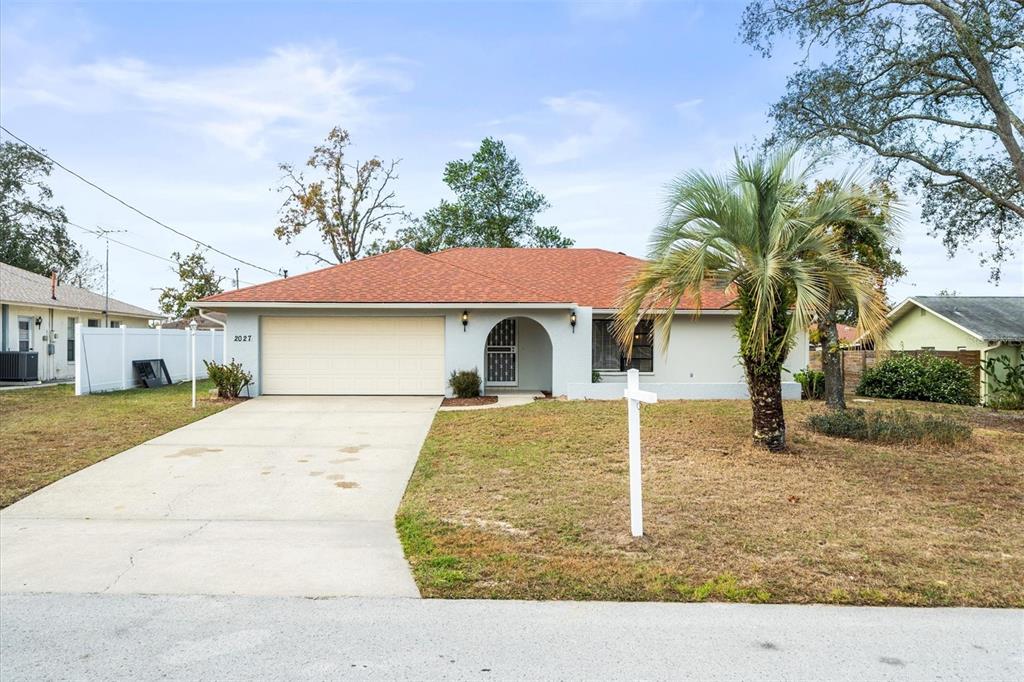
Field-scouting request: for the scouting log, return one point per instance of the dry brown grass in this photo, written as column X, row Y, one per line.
column 532, row 502
column 47, row 433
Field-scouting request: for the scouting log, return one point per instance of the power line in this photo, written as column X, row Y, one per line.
column 135, row 248
column 140, row 212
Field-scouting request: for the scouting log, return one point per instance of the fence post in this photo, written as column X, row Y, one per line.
column 192, row 333
column 159, row 341
column 124, row 357
column 213, row 345
column 78, row 358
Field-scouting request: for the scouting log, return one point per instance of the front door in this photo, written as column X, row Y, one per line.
column 502, row 363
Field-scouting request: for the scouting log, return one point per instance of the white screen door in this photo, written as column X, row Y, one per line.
column 502, row 362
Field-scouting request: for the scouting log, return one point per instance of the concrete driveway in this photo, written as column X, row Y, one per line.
column 276, row 496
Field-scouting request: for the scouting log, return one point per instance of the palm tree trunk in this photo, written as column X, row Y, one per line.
column 769, row 421
column 832, row 362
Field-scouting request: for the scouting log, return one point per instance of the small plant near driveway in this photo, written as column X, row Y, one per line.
column 465, row 383
column 229, row 378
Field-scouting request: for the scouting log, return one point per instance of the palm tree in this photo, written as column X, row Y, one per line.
column 758, row 233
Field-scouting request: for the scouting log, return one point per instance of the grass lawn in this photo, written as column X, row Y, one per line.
column 48, row 433
column 532, row 503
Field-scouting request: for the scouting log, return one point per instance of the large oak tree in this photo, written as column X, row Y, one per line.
column 930, row 88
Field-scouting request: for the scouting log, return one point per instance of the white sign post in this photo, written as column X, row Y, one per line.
column 634, row 396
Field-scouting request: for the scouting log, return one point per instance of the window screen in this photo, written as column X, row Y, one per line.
column 607, row 354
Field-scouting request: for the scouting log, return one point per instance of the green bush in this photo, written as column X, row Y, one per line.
column 898, row 426
column 812, row 384
column 1006, row 387
column 230, row 378
column 903, row 376
column 465, row 384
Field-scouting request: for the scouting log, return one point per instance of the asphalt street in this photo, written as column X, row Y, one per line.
column 113, row 637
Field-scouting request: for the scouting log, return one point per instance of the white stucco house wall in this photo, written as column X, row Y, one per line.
column 526, row 319
column 37, row 315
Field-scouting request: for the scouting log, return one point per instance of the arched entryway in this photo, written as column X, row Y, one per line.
column 517, row 356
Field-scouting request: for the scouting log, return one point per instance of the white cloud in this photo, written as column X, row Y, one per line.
column 566, row 128
column 591, row 124
column 290, row 91
column 689, row 110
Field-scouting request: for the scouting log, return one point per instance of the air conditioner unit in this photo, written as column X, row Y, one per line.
column 19, row 366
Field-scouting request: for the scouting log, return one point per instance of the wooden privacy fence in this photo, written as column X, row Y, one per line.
column 856, row 361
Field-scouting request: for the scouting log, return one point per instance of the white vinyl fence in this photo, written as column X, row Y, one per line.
column 104, row 356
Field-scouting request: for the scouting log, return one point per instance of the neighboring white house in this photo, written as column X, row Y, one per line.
column 530, row 319
column 36, row 314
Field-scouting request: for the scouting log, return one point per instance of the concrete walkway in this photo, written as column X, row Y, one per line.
column 276, row 496
column 119, row 637
column 504, row 400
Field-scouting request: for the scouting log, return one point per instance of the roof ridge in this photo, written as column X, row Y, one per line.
column 315, row 272
column 488, row 276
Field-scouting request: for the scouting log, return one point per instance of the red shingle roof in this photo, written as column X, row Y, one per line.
column 586, row 277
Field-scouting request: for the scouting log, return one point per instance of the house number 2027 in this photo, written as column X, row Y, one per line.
column 243, row 337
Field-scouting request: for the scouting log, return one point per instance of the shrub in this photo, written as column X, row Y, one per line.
column 897, row 426
column 595, row 377
column 1005, row 387
column 229, row 378
column 465, row 384
column 812, row 384
column 904, row 376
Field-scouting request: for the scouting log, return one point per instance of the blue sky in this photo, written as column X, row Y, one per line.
column 184, row 109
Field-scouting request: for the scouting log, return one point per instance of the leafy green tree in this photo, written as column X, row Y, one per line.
column 757, row 232
column 870, row 241
column 494, row 207
column 198, row 280
column 929, row 88
column 33, row 231
column 347, row 204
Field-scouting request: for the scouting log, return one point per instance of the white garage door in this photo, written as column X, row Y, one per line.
column 352, row 355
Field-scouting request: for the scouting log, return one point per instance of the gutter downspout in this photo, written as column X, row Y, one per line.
column 224, row 328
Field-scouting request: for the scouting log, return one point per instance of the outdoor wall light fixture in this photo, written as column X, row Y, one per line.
column 572, row 321
column 465, row 319
column 39, row 322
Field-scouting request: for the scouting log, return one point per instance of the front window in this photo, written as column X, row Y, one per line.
column 71, row 338
column 608, row 355
column 114, row 324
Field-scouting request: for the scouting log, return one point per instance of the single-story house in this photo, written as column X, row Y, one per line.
column 991, row 325
column 39, row 315
column 526, row 319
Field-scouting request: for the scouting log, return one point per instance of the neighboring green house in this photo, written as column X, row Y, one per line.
column 993, row 325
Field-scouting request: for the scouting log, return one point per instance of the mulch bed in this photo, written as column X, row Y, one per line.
column 469, row 402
